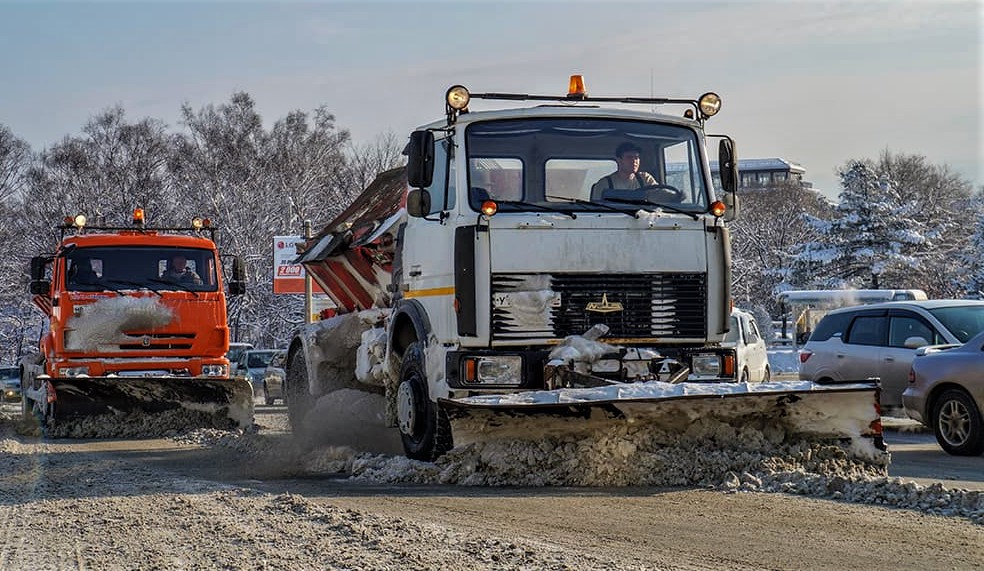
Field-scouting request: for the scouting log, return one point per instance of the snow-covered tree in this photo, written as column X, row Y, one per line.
column 871, row 241
column 765, row 236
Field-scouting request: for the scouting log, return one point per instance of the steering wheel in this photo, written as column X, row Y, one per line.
column 677, row 194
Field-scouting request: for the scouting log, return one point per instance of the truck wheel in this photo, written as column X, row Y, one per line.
column 957, row 424
column 297, row 395
column 425, row 434
column 744, row 376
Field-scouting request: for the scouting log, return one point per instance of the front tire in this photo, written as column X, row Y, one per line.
column 957, row 424
column 297, row 393
column 426, row 434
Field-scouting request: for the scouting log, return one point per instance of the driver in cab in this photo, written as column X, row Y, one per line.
column 627, row 176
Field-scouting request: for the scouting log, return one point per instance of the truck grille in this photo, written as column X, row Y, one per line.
column 664, row 305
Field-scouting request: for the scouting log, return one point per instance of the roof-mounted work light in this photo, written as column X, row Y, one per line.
column 710, row 104
column 138, row 216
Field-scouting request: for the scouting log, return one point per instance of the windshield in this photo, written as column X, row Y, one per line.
column 964, row 321
column 582, row 164
column 9, row 373
column 258, row 359
column 119, row 268
column 733, row 333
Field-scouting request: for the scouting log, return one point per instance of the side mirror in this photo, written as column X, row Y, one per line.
column 238, row 270
column 37, row 267
column 418, row 203
column 39, row 285
column 237, row 285
column 915, row 342
column 732, row 209
column 728, row 164
column 420, row 159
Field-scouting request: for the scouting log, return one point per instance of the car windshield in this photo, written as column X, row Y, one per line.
column 732, row 336
column 558, row 164
column 256, row 359
column 8, row 373
column 115, row 268
column 964, row 321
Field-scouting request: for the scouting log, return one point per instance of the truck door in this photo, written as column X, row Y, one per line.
column 428, row 272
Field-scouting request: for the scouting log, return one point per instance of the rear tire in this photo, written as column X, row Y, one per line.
column 744, row 376
column 957, row 424
column 266, row 396
column 297, row 394
column 424, row 430
column 767, row 375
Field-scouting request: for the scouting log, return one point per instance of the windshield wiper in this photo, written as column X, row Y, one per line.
column 609, row 207
column 177, row 284
column 539, row 207
column 644, row 202
column 139, row 285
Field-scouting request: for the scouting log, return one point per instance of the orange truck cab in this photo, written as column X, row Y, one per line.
column 131, row 302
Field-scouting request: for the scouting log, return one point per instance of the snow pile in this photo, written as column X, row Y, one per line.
column 138, row 424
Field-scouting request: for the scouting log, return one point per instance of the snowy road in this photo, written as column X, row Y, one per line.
column 169, row 504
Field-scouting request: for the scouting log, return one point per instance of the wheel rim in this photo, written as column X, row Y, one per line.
column 954, row 422
column 406, row 408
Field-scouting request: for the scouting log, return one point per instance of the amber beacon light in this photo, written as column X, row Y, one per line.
column 575, row 89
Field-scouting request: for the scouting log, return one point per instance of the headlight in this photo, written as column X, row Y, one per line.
column 73, row 371
column 707, row 365
column 458, row 97
column 215, row 370
column 493, row 370
column 709, row 104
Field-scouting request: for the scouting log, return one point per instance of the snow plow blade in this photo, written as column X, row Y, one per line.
column 115, row 406
column 846, row 414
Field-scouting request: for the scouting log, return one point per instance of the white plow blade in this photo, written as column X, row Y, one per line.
column 846, row 413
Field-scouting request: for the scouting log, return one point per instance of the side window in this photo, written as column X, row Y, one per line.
column 753, row 332
column 903, row 327
column 830, row 325
column 867, row 330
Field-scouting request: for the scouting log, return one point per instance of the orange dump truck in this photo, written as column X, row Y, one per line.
column 137, row 326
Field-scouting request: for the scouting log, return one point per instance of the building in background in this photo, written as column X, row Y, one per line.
column 761, row 174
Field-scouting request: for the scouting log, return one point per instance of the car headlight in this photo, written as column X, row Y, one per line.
column 492, row 370
column 705, row 364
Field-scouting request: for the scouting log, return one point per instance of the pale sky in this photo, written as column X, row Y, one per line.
column 816, row 83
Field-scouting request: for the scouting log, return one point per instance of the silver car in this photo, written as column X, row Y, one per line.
column 946, row 393
column 273, row 378
column 880, row 341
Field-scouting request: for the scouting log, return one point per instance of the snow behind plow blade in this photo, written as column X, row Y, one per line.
column 187, row 401
column 844, row 413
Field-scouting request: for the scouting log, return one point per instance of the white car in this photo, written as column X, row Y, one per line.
column 752, row 363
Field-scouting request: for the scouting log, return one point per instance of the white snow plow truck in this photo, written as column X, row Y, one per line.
column 548, row 268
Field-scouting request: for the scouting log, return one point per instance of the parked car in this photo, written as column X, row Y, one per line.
column 273, row 378
column 11, row 383
column 880, row 341
column 946, row 393
column 234, row 353
column 752, row 360
column 252, row 366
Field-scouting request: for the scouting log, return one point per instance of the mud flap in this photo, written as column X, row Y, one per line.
column 210, row 403
column 847, row 413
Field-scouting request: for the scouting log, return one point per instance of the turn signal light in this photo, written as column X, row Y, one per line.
column 489, row 208
column 718, row 208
